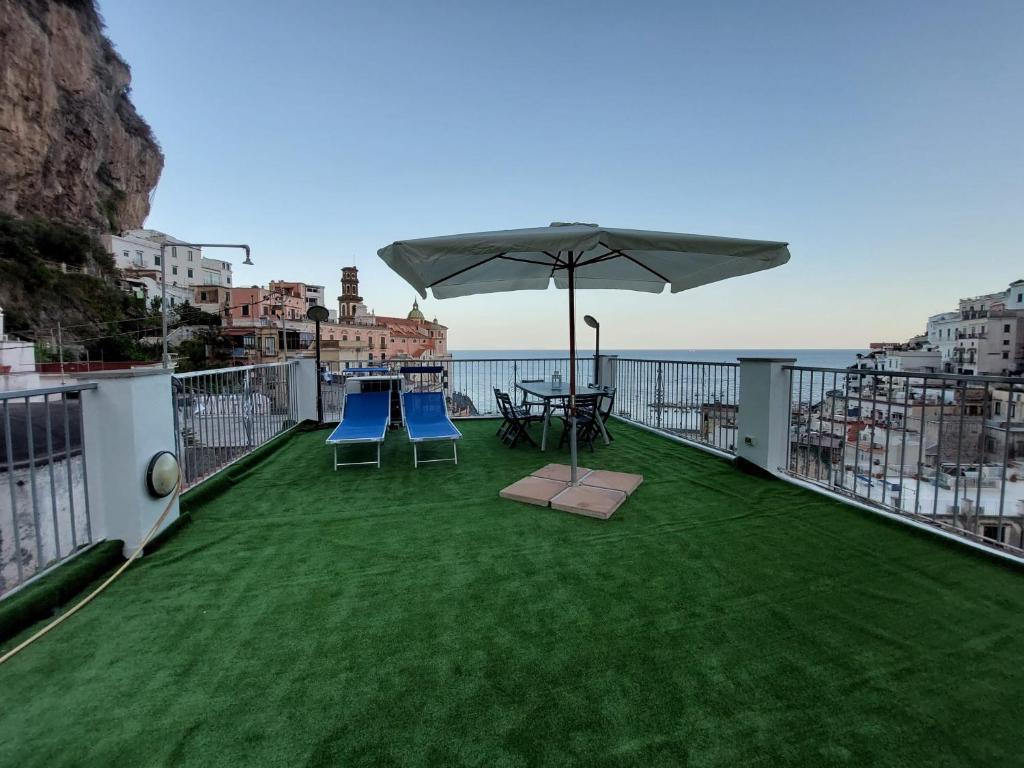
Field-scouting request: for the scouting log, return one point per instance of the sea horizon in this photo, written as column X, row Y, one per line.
column 826, row 357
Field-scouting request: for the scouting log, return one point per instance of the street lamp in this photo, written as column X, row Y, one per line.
column 589, row 320
column 318, row 314
column 163, row 281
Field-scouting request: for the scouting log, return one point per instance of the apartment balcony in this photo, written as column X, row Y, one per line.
column 397, row 615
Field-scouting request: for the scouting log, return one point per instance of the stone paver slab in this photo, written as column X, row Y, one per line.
column 616, row 481
column 533, row 490
column 560, row 472
column 589, row 500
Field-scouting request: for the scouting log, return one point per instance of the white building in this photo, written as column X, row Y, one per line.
column 984, row 336
column 137, row 254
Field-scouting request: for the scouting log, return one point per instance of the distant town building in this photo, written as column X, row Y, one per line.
column 984, row 336
column 137, row 254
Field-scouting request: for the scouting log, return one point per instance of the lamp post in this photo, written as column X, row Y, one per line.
column 592, row 322
column 317, row 314
column 163, row 282
column 589, row 320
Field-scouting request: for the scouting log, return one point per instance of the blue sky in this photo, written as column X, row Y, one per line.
column 883, row 141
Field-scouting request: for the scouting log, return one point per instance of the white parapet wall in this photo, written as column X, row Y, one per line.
column 306, row 382
column 762, row 420
column 127, row 419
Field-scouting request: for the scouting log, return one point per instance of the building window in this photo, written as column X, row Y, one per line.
column 371, row 356
column 202, row 295
column 229, row 279
column 190, row 255
column 1006, row 342
column 125, row 254
column 245, row 310
column 998, row 408
column 1006, row 328
column 174, row 252
column 190, row 271
column 174, row 270
column 995, row 532
column 1006, row 355
column 157, row 260
column 344, row 337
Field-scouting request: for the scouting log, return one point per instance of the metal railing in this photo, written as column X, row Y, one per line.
column 224, row 414
column 468, row 384
column 693, row 400
column 922, row 445
column 44, row 493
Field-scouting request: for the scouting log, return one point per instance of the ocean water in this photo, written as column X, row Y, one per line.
column 820, row 358
column 664, row 396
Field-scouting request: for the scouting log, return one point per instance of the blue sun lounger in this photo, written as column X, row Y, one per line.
column 365, row 420
column 426, row 420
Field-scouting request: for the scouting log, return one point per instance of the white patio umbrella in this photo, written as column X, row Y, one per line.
column 574, row 256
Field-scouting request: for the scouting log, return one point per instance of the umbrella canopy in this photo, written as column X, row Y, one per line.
column 599, row 257
column 575, row 256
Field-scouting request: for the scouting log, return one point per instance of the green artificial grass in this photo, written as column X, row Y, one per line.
column 400, row 616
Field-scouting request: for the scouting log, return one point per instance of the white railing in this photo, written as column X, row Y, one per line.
column 45, row 515
column 224, row 414
column 927, row 446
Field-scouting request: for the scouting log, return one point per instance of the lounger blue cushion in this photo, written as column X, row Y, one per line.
column 366, row 418
column 426, row 417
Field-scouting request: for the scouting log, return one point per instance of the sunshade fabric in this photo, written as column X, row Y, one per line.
column 603, row 257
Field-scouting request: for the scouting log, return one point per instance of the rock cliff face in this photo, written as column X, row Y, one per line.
column 72, row 146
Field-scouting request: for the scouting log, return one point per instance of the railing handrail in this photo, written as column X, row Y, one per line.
column 911, row 375
column 233, row 369
column 684, row 362
column 10, row 394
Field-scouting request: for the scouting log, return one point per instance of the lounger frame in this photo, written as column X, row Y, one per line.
column 416, row 460
column 356, row 441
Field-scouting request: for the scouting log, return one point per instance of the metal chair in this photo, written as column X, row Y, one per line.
column 605, row 404
column 516, row 420
column 586, row 424
column 526, row 403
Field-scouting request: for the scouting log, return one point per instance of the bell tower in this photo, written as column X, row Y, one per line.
column 350, row 298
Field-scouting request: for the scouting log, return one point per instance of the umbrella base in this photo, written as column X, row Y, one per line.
column 599, row 493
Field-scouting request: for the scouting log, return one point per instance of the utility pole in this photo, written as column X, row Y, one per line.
column 60, row 350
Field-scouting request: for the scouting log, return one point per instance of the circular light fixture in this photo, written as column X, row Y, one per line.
column 318, row 313
column 162, row 474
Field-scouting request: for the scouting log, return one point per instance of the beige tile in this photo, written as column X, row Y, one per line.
column 560, row 472
column 588, row 500
column 533, row 490
column 616, row 481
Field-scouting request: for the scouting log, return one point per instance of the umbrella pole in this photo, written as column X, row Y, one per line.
column 572, row 370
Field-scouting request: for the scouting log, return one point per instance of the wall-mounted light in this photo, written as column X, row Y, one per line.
column 162, row 474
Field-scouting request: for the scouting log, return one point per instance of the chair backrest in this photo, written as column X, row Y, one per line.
column 586, row 406
column 424, row 406
column 606, row 402
column 367, row 407
column 500, row 397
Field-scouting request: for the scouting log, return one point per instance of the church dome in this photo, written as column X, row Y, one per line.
column 414, row 313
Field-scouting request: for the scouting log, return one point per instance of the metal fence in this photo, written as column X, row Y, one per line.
column 44, row 494
column 468, row 384
column 221, row 415
column 945, row 449
column 693, row 400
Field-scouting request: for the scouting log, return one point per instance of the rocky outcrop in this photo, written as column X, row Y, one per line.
column 72, row 146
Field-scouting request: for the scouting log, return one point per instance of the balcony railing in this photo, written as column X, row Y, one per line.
column 45, row 516
column 221, row 415
column 693, row 400
column 919, row 445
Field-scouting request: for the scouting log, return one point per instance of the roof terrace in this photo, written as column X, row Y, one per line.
column 401, row 616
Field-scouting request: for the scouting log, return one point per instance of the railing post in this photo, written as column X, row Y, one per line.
column 606, row 371
column 305, row 381
column 762, row 421
column 127, row 419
